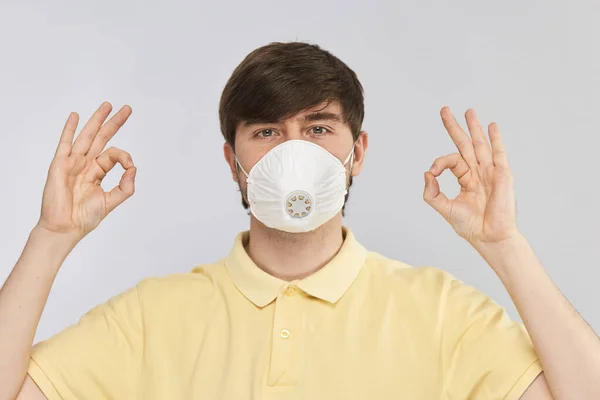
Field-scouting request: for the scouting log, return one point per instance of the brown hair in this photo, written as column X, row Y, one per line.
column 279, row 80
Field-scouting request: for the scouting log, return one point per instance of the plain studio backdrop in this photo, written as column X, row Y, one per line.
column 531, row 66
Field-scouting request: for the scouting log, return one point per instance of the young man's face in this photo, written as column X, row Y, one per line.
column 321, row 125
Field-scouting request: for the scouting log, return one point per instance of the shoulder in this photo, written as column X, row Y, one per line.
column 430, row 287
column 381, row 268
column 197, row 286
column 427, row 284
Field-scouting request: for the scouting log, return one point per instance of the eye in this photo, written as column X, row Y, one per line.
column 319, row 130
column 265, row 133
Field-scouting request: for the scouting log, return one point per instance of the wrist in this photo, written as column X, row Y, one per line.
column 511, row 241
column 54, row 245
column 503, row 255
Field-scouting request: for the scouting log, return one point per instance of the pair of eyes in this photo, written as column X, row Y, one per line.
column 315, row 130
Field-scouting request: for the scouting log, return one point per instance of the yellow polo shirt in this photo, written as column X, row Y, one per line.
column 362, row 327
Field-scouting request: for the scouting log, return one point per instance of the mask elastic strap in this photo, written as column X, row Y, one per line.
column 240, row 165
column 350, row 157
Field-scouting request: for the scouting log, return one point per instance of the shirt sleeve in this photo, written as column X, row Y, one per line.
column 485, row 355
column 97, row 358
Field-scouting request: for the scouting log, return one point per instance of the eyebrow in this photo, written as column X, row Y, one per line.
column 315, row 116
column 322, row 116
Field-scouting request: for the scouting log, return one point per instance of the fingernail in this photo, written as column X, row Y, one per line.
column 134, row 172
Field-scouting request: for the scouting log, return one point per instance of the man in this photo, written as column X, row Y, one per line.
column 298, row 309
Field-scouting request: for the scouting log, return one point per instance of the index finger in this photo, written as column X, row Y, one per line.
column 108, row 159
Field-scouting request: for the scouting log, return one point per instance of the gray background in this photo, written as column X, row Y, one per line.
column 531, row 66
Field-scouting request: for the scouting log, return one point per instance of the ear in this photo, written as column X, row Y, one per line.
column 360, row 148
column 230, row 158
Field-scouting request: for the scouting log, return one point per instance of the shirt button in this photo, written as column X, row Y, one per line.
column 290, row 291
column 285, row 333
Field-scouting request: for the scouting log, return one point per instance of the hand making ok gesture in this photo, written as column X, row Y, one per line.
column 484, row 210
column 73, row 202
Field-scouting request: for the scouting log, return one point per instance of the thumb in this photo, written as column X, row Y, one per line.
column 434, row 197
column 123, row 190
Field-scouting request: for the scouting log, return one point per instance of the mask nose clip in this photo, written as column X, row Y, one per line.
column 299, row 204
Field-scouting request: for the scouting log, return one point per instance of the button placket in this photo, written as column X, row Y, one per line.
column 285, row 339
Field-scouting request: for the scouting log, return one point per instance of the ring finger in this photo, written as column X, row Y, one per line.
column 84, row 139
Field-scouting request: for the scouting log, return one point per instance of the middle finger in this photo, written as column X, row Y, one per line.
column 89, row 131
column 459, row 137
column 108, row 130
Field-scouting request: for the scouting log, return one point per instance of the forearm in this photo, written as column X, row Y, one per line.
column 568, row 348
column 22, row 300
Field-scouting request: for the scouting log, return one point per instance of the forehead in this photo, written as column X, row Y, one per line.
column 332, row 107
column 331, row 111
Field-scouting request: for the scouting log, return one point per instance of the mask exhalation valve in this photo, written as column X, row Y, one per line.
column 299, row 204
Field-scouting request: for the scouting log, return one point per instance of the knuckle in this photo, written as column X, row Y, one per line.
column 439, row 160
column 462, row 143
column 128, row 191
column 112, row 122
column 117, row 121
column 126, row 158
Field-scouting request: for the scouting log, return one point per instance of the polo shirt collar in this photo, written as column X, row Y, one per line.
column 328, row 283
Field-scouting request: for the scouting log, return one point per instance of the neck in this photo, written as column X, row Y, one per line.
column 290, row 256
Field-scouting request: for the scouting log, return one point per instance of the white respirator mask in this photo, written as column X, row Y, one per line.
column 297, row 186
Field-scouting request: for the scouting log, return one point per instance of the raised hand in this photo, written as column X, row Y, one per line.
column 73, row 202
column 484, row 210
